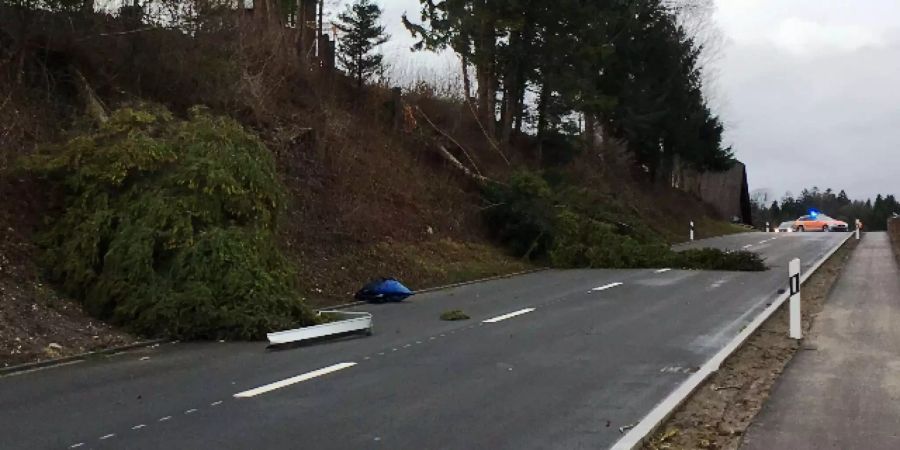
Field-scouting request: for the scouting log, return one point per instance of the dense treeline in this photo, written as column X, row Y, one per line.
column 874, row 214
column 610, row 68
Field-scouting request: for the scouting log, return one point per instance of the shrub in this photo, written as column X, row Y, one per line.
column 714, row 259
column 521, row 214
column 573, row 231
column 168, row 227
column 454, row 315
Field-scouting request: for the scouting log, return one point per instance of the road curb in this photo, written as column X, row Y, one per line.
column 67, row 359
column 453, row 285
column 636, row 437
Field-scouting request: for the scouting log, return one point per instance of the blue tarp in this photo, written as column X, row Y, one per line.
column 383, row 290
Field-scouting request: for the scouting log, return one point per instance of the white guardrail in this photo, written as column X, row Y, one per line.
column 348, row 322
column 636, row 436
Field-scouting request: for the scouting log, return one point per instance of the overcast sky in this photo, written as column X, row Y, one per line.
column 809, row 89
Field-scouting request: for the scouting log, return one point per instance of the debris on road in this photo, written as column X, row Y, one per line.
column 383, row 290
column 454, row 315
column 338, row 323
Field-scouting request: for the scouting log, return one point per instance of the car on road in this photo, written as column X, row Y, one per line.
column 819, row 222
column 785, row 227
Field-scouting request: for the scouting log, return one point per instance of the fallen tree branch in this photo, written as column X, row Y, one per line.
column 483, row 131
column 118, row 33
column 92, row 104
column 454, row 141
column 478, row 178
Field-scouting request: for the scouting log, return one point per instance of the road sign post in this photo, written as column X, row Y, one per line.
column 794, row 279
column 692, row 230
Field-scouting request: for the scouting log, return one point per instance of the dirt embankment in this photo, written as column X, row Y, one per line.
column 720, row 411
column 36, row 323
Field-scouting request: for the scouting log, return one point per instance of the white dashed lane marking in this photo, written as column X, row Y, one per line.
column 103, row 438
column 509, row 316
column 138, row 427
column 80, row 444
column 163, row 419
column 605, row 287
column 216, row 403
column 190, row 411
column 663, row 270
column 294, row 380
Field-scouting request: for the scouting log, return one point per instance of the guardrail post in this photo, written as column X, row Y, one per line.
column 794, row 280
column 692, row 230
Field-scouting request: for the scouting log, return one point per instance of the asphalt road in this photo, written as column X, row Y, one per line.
column 571, row 368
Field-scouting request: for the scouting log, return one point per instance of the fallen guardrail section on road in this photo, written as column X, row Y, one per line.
column 348, row 322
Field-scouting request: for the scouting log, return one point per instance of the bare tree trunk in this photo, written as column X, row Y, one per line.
column 485, row 110
column 510, row 94
column 520, row 108
column 506, row 117
column 590, row 131
column 467, row 83
column 543, row 102
column 542, row 117
column 485, row 52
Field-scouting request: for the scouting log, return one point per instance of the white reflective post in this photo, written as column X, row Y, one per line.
column 857, row 229
column 768, row 228
column 794, row 280
column 692, row 230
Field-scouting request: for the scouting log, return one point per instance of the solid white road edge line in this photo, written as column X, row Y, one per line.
column 509, row 316
column 603, row 288
column 662, row 411
column 663, row 270
column 293, row 380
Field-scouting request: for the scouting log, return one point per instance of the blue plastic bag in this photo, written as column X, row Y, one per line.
column 384, row 290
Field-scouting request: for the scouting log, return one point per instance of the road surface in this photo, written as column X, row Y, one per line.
column 569, row 357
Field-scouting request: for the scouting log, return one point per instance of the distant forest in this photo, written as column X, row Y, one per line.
column 873, row 213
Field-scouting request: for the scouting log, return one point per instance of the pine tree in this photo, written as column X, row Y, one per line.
column 360, row 23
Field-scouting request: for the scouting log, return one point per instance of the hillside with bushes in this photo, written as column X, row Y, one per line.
column 195, row 170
